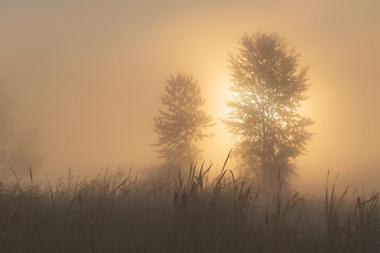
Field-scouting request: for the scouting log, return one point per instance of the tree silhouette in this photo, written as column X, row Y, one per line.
column 268, row 86
column 182, row 123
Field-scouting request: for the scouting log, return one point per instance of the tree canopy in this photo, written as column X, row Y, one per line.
column 268, row 87
column 182, row 122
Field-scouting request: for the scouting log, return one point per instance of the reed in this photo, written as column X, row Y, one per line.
column 193, row 212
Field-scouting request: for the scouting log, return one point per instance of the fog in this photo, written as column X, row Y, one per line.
column 80, row 81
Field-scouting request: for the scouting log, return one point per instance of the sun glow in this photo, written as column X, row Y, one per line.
column 218, row 93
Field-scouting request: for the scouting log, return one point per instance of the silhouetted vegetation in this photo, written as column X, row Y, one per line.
column 268, row 86
column 195, row 210
column 182, row 122
column 117, row 212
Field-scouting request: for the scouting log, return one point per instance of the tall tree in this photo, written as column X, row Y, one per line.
column 182, row 122
column 268, row 87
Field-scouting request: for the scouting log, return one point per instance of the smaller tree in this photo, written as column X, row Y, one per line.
column 182, row 122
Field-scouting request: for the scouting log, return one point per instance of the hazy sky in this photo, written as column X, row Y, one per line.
column 80, row 80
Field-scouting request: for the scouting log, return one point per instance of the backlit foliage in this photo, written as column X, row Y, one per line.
column 268, row 86
column 182, row 122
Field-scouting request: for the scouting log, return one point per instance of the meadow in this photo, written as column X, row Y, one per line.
column 190, row 212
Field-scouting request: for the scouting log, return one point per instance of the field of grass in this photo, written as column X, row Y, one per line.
column 117, row 212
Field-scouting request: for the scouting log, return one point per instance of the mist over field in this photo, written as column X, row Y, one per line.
column 189, row 126
column 80, row 81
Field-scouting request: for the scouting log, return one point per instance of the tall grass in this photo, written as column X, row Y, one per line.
column 193, row 212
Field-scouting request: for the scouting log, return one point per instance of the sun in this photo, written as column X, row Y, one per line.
column 218, row 93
